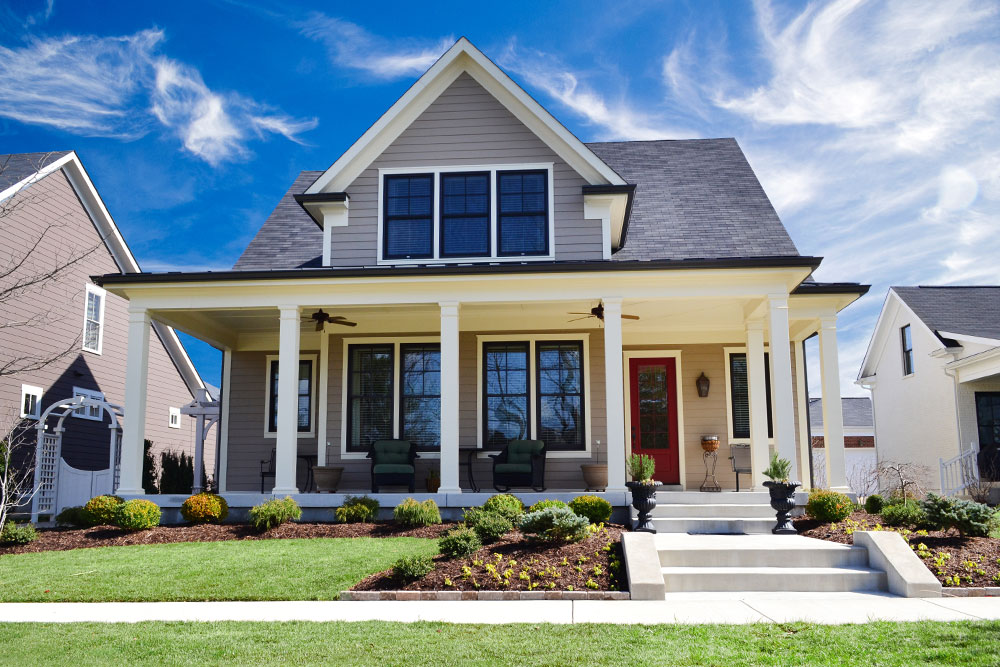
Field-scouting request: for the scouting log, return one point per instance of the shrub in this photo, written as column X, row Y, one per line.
column 829, row 506
column 545, row 504
column 460, row 542
column 357, row 509
column 17, row 533
column 413, row 567
column 903, row 514
column 73, row 516
column 970, row 518
column 272, row 513
column 102, row 510
column 491, row 527
column 149, row 480
column 778, row 468
column 641, row 467
column 508, row 506
column 874, row 504
column 176, row 472
column 555, row 524
column 597, row 510
column 205, row 508
column 412, row 513
column 138, row 515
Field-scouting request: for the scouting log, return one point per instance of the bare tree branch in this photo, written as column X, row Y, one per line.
column 17, row 477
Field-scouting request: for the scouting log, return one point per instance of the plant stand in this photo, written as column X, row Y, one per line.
column 783, row 502
column 711, row 459
column 643, row 500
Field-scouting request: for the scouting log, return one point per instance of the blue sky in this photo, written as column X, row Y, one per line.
column 870, row 124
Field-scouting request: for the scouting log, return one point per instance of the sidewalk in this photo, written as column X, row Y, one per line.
column 701, row 608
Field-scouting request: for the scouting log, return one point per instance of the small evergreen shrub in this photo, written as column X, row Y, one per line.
column 205, row 508
column 874, row 504
column 272, row 513
column 641, row 468
column 412, row 513
column 829, row 506
column 555, row 524
column 460, row 542
column 545, row 504
column 357, row 509
column 73, row 516
column 491, row 527
column 903, row 514
column 597, row 510
column 102, row 510
column 17, row 533
column 149, row 480
column 508, row 506
column 968, row 517
column 138, row 515
column 413, row 567
column 176, row 472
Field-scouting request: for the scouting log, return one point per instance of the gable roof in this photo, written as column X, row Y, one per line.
column 694, row 198
column 31, row 168
column 289, row 238
column 857, row 412
column 948, row 310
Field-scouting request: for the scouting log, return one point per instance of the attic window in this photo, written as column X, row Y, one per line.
column 409, row 221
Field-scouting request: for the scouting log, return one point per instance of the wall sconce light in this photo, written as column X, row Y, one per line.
column 703, row 384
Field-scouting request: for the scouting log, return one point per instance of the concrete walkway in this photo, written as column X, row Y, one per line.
column 681, row 608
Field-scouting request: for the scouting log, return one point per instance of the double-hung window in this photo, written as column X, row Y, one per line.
column 739, row 393
column 420, row 394
column 522, row 209
column 369, row 395
column 31, row 401
column 906, row 341
column 506, row 396
column 559, row 366
column 93, row 319
column 174, row 417
column 408, row 218
column 465, row 215
column 304, row 390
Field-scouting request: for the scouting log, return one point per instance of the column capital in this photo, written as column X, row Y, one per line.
column 828, row 322
column 288, row 311
column 612, row 302
column 449, row 308
column 755, row 325
column 779, row 300
column 138, row 315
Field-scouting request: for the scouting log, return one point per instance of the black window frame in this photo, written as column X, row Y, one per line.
column 539, row 344
column 733, row 395
column 442, row 216
column 906, row 339
column 545, row 211
column 988, row 459
column 387, row 219
column 272, row 394
column 484, row 427
column 351, row 347
column 400, row 418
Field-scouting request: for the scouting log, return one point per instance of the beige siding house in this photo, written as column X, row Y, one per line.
column 469, row 273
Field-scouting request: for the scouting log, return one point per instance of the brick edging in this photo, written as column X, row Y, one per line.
column 971, row 592
column 483, row 595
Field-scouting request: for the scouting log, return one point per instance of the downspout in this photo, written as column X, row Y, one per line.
column 809, row 430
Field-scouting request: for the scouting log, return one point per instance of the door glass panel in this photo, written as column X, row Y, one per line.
column 654, row 428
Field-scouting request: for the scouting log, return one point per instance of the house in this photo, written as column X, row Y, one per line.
column 469, row 272
column 860, row 460
column 933, row 367
column 55, row 221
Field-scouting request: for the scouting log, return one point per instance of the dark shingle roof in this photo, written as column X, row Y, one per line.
column 857, row 412
column 694, row 198
column 973, row 311
column 289, row 239
column 16, row 167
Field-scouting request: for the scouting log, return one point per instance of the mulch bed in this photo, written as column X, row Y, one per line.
column 597, row 559
column 63, row 539
column 975, row 560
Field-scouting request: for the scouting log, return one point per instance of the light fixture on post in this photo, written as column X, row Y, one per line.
column 703, row 384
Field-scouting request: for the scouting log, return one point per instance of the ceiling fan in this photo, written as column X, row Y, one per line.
column 598, row 312
column 322, row 318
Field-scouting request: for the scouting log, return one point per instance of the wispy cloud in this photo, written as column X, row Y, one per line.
column 351, row 46
column 121, row 87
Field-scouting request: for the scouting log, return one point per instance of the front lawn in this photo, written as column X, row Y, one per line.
column 289, row 569
column 371, row 643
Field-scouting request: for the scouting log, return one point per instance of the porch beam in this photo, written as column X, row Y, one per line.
column 615, row 394
column 286, row 442
column 757, row 389
column 449, row 398
column 136, row 382
column 833, row 414
column 782, row 403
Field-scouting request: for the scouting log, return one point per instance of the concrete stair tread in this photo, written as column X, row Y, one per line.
column 751, row 570
column 684, row 542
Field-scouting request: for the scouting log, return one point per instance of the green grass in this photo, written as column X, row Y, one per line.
column 305, row 569
column 964, row 643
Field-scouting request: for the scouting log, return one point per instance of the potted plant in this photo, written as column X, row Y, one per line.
column 327, row 478
column 433, row 480
column 641, row 468
column 710, row 443
column 595, row 475
column 782, row 493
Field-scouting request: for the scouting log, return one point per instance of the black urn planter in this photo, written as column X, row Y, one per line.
column 643, row 500
column 783, row 502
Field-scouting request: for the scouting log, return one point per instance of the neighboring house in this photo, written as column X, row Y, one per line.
column 50, row 203
column 469, row 272
column 933, row 367
column 859, row 443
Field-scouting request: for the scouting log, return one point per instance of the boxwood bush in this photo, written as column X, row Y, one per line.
column 555, row 524
column 491, row 527
column 73, row 516
column 545, row 504
column 903, row 514
column 357, row 509
column 874, row 504
column 138, row 514
column 17, row 533
column 413, row 567
column 597, row 510
column 272, row 513
column 829, row 506
column 460, row 542
column 412, row 513
column 508, row 506
column 205, row 508
column 102, row 510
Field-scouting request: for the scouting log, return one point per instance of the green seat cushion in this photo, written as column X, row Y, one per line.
column 393, row 468
column 521, row 451
column 513, row 467
column 392, row 452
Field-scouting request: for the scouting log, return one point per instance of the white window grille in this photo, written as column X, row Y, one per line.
column 174, row 420
column 92, row 412
column 31, row 401
column 93, row 319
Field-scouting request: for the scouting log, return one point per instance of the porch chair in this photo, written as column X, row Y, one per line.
column 393, row 462
column 520, row 463
column 740, row 456
column 267, row 469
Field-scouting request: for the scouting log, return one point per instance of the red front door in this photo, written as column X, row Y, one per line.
column 653, row 390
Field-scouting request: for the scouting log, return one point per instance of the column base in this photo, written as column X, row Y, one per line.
column 452, row 490
column 841, row 489
column 290, row 491
column 130, row 492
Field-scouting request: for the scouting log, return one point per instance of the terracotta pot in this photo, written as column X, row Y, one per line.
column 595, row 476
column 710, row 443
column 433, row 484
column 327, row 478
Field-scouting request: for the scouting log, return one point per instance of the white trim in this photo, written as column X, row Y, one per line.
column 324, row 394
column 880, row 337
column 226, row 389
column 741, row 349
column 627, row 357
column 36, row 392
column 492, row 169
column 267, row 395
column 377, row 340
column 173, row 417
column 103, row 296
column 85, row 412
column 992, row 342
column 531, row 339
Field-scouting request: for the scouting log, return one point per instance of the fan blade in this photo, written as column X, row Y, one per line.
column 587, row 314
column 319, row 325
column 577, row 319
column 629, row 317
column 343, row 322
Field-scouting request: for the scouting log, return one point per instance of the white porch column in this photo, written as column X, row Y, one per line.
column 134, row 431
column 449, row 398
column 757, row 389
column 199, row 452
column 615, row 392
column 833, row 415
column 288, row 392
column 782, row 403
column 222, row 459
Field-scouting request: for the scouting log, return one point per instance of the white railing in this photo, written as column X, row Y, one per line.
column 960, row 472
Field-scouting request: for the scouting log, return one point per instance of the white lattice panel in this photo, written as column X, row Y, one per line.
column 47, row 462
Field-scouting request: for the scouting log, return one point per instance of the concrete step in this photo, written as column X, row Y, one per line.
column 715, row 526
column 774, row 556
column 700, row 498
column 781, row 579
column 716, row 511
